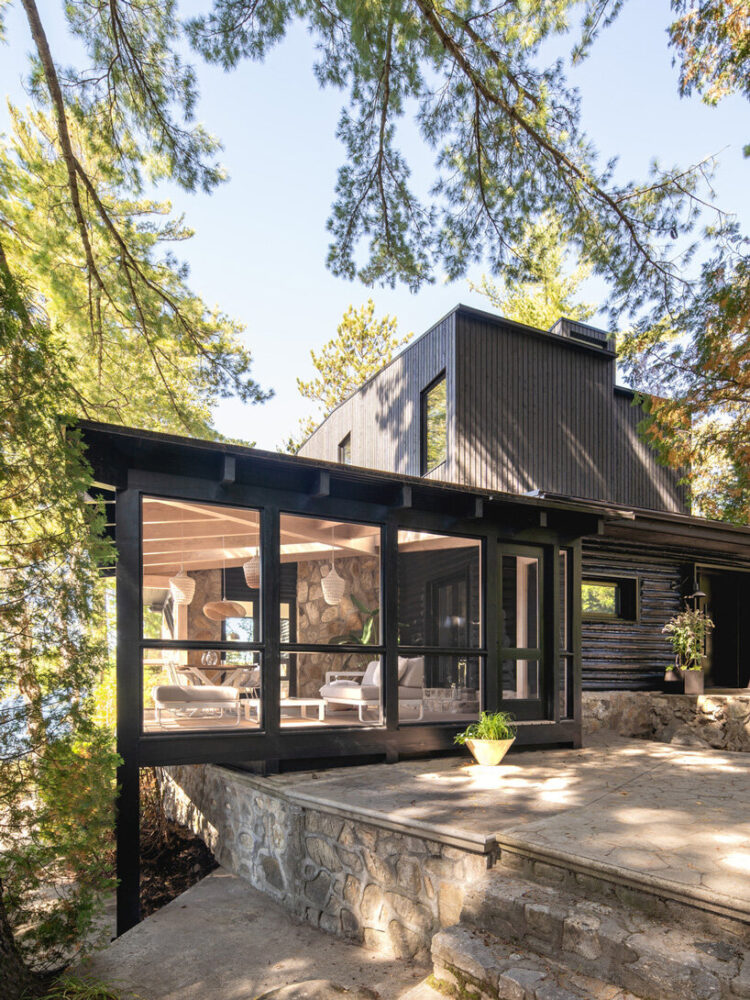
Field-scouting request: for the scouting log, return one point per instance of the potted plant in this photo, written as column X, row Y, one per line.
column 687, row 633
column 489, row 739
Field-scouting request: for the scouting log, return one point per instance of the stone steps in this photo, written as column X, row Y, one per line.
column 474, row 965
column 610, row 942
column 691, row 906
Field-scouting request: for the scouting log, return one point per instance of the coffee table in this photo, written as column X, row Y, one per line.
column 303, row 704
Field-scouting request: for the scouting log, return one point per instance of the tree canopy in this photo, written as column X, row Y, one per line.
column 362, row 345
column 553, row 290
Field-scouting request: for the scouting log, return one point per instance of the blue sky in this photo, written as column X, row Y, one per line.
column 260, row 244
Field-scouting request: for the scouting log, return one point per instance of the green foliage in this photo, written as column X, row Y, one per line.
column 712, row 41
column 599, row 599
column 687, row 632
column 57, row 766
column 693, row 372
column 491, row 726
column 75, row 988
column 147, row 351
column 369, row 633
column 551, row 292
column 505, row 129
column 362, row 345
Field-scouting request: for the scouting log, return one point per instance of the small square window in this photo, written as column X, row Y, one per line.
column 613, row 598
column 345, row 450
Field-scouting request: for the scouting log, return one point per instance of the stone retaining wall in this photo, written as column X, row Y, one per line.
column 721, row 721
column 392, row 891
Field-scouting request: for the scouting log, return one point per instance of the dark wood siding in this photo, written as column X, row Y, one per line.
column 632, row 655
column 533, row 412
column 383, row 417
column 639, row 480
column 527, row 410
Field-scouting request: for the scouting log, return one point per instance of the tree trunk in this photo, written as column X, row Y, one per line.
column 16, row 980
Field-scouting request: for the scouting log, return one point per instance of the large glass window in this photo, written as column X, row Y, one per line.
column 440, row 628
column 332, row 600
column 201, row 585
column 434, row 425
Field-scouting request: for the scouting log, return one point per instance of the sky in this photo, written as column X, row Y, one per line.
column 260, row 240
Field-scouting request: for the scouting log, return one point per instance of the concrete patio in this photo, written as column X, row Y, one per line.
column 671, row 816
column 672, row 823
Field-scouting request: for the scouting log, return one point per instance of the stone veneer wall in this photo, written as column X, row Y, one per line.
column 200, row 628
column 391, row 891
column 709, row 720
column 319, row 622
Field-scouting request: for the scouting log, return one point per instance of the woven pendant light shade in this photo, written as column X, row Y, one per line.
column 182, row 588
column 217, row 611
column 332, row 587
column 251, row 569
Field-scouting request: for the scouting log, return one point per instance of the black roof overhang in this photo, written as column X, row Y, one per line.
column 113, row 451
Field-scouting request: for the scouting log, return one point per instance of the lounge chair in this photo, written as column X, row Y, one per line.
column 361, row 689
column 191, row 700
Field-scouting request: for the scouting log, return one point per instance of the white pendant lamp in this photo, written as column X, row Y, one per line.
column 251, row 569
column 332, row 585
column 182, row 586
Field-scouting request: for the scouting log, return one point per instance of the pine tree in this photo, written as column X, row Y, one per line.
column 362, row 345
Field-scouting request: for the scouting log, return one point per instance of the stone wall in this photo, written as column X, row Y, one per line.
column 318, row 622
column 391, row 891
column 200, row 628
column 721, row 721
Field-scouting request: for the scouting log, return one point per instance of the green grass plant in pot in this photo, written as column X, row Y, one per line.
column 489, row 739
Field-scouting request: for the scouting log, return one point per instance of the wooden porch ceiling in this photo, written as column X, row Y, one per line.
column 199, row 536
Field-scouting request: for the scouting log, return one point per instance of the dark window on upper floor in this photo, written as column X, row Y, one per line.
column 612, row 598
column 345, row 450
column 434, row 423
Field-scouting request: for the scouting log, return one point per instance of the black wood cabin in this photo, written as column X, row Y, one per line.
column 534, row 411
column 477, row 595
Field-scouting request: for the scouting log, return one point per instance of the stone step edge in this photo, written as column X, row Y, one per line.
column 731, row 907
column 472, row 843
column 478, row 949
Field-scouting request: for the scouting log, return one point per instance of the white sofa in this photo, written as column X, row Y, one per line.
column 361, row 689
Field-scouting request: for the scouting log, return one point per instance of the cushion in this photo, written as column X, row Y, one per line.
column 406, row 693
column 372, row 673
column 165, row 693
column 350, row 690
column 413, row 675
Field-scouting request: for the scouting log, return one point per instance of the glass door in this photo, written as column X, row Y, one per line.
column 520, row 625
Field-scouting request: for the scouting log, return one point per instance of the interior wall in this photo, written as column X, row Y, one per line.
column 318, row 622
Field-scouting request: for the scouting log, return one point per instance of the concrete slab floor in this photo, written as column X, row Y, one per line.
column 675, row 813
column 224, row 940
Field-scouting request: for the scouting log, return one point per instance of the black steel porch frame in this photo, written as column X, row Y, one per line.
column 270, row 743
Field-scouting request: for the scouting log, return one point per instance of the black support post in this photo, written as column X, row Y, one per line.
column 129, row 708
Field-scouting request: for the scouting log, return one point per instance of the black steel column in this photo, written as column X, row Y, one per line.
column 389, row 624
column 129, row 707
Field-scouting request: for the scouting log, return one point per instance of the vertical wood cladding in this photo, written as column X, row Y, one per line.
column 639, row 480
column 533, row 411
column 526, row 410
column 383, row 417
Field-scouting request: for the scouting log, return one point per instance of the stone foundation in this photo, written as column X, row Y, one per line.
column 392, row 891
column 721, row 721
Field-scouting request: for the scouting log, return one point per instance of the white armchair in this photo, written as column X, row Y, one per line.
column 354, row 689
